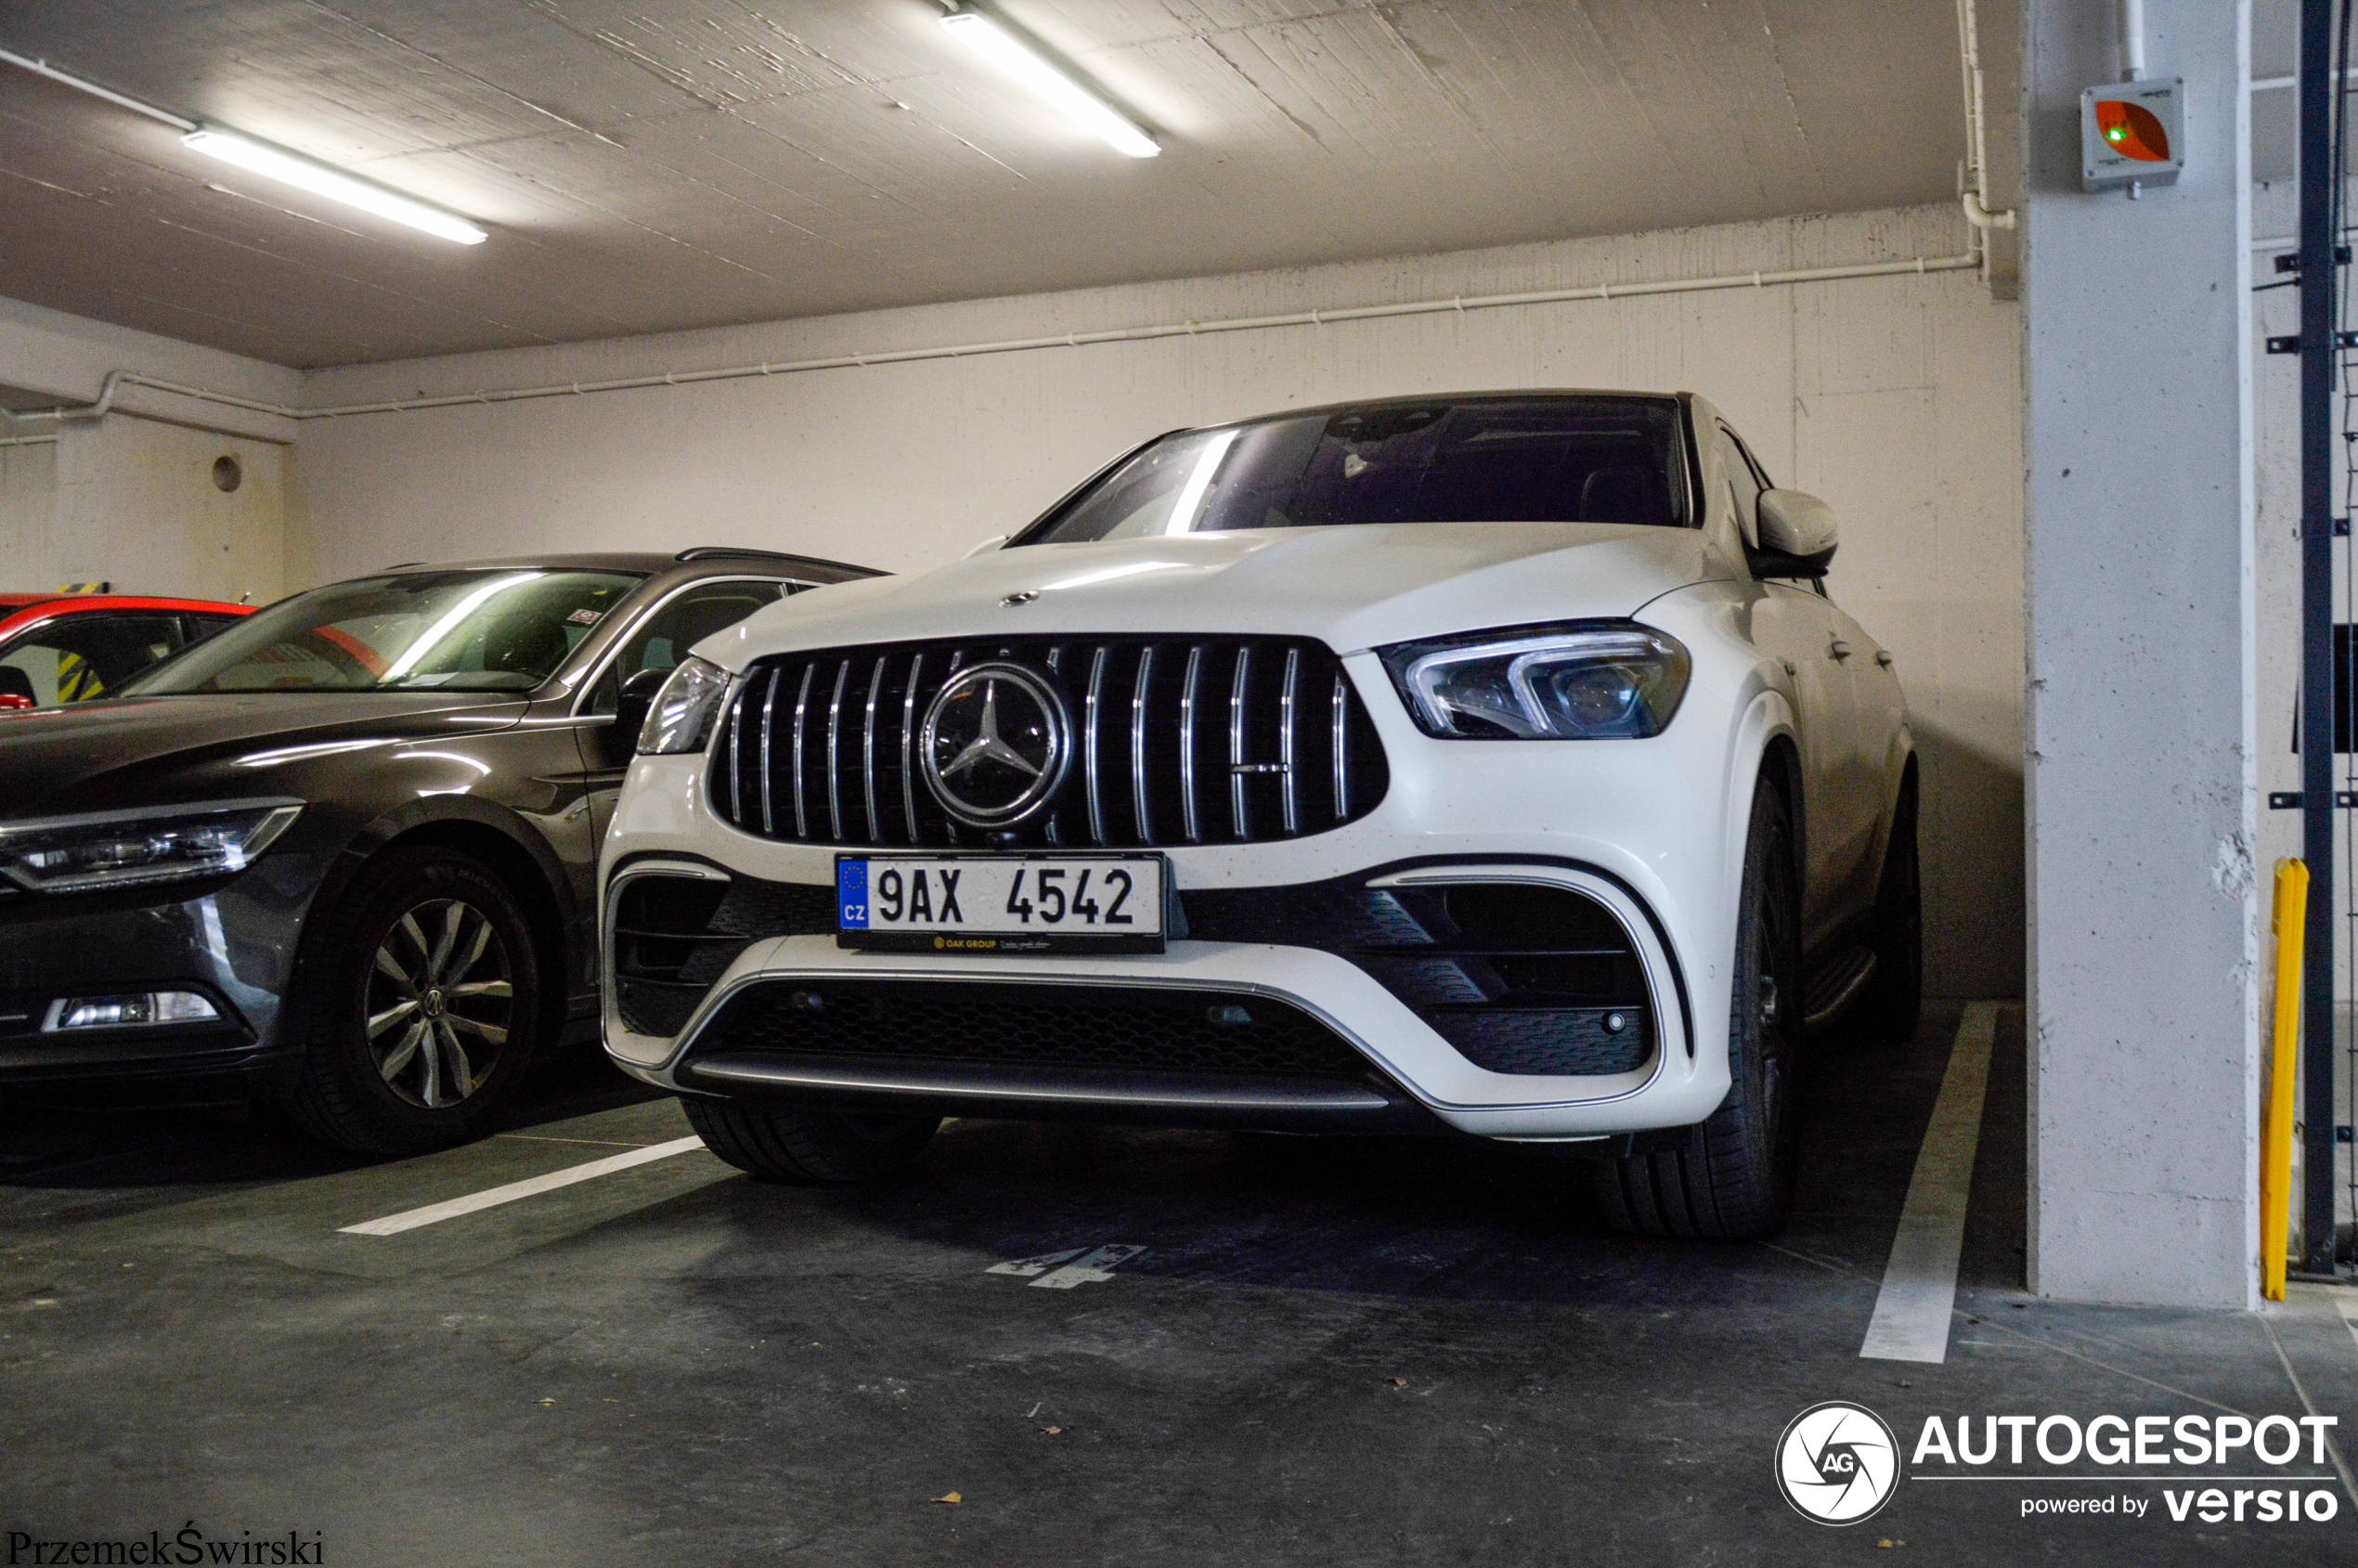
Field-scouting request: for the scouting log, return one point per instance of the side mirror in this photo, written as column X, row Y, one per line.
column 1797, row 536
column 630, row 708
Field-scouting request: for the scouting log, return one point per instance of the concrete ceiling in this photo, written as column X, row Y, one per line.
column 655, row 165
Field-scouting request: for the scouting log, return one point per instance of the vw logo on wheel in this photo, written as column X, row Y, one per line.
column 996, row 744
column 1837, row 1463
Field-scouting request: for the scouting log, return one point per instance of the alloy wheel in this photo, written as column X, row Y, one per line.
column 440, row 994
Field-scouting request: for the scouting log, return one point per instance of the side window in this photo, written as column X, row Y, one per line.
column 83, row 657
column 202, row 626
column 1759, row 469
column 1742, row 485
column 670, row 632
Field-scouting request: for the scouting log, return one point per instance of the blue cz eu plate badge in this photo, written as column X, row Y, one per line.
column 851, row 895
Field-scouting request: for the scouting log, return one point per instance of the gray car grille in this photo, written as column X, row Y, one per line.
column 1175, row 741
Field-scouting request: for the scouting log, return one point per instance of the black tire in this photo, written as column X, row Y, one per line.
column 1887, row 1010
column 453, row 1032
column 1731, row 1177
column 806, row 1146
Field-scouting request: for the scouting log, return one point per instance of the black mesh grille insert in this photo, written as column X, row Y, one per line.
column 1017, row 1025
column 674, row 936
column 1518, row 978
column 1175, row 740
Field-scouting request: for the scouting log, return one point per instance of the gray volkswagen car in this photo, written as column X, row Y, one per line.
column 342, row 854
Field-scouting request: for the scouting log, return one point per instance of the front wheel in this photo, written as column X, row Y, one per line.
column 806, row 1146
column 423, row 1007
column 1731, row 1177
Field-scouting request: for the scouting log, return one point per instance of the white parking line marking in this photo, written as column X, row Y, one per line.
column 491, row 1198
column 1045, row 1274
column 594, row 1143
column 1033, row 1267
column 1920, row 1282
column 1097, row 1265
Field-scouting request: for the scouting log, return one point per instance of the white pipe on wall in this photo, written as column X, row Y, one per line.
column 116, row 380
column 2132, row 40
column 1977, row 213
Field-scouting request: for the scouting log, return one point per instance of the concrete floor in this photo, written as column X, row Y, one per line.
column 1413, row 1351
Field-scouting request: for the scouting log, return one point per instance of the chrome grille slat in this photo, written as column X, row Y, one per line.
column 835, row 737
column 1236, row 740
column 1268, row 686
column 801, row 707
column 769, row 727
column 736, row 755
column 1342, row 744
column 1285, row 740
column 1187, row 744
column 1089, row 746
column 1139, row 742
column 908, row 748
column 868, row 750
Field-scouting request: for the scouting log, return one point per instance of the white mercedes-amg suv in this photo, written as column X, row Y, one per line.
column 1494, row 763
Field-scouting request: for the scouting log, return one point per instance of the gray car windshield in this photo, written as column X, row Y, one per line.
column 479, row 630
column 1474, row 460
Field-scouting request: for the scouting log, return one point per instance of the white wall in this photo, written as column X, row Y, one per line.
column 130, row 500
column 1895, row 397
column 28, row 518
column 137, row 506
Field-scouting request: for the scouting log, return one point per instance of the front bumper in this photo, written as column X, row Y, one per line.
column 1649, row 830
column 232, row 942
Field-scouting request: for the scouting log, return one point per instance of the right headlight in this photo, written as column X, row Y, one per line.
column 134, row 848
column 1588, row 681
column 685, row 711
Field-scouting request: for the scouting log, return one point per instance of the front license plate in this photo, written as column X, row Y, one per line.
column 1001, row 903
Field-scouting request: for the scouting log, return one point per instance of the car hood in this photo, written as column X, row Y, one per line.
column 1352, row 587
column 135, row 751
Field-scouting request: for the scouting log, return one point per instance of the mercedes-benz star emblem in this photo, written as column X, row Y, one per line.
column 996, row 744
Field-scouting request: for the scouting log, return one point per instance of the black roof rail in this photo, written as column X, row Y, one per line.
column 736, row 552
column 723, row 552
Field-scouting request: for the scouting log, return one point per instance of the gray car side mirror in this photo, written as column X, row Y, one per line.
column 1798, row 536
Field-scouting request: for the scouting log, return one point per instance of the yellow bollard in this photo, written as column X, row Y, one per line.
column 2276, row 1137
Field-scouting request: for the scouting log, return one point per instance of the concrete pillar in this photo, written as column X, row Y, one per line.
column 2141, row 806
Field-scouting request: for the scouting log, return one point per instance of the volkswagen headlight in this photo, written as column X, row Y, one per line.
column 686, row 711
column 107, row 850
column 1597, row 681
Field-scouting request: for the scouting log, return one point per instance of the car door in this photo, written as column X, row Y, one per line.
column 1870, row 708
column 1796, row 624
column 676, row 622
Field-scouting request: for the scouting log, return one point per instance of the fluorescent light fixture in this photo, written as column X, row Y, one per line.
column 1019, row 61
column 292, row 169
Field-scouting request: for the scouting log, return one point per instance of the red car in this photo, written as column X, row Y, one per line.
column 57, row 649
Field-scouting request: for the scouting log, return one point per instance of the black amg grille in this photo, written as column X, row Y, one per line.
column 1519, row 978
column 1017, row 1025
column 1176, row 740
column 673, row 936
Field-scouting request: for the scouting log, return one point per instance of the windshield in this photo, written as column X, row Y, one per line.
column 1474, row 460
column 456, row 631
